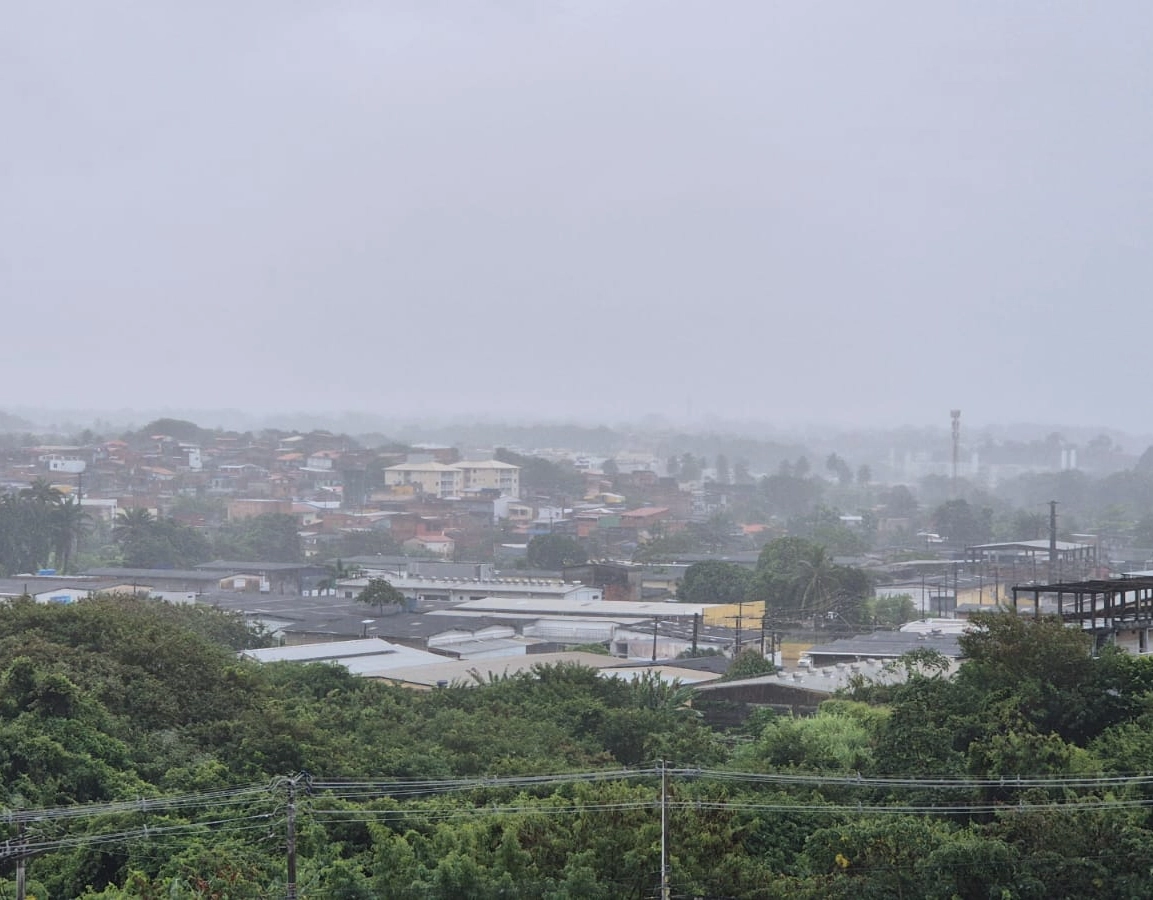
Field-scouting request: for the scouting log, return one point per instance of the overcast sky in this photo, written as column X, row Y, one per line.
column 837, row 212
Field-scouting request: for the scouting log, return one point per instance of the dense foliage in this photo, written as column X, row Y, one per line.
column 1008, row 780
column 554, row 551
column 39, row 526
column 797, row 578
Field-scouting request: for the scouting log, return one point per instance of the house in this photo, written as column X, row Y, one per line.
column 646, row 517
column 437, row 544
column 248, row 508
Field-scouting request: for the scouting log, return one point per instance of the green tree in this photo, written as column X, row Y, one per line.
column 893, row 610
column 379, row 592
column 554, row 552
column 148, row 542
column 749, row 663
column 899, row 502
column 273, row 537
column 542, row 476
column 796, row 575
column 837, row 466
column 69, row 522
column 816, row 579
column 715, row 581
column 132, row 525
column 959, row 522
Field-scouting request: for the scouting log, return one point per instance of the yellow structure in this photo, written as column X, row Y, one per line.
column 727, row 615
column 490, row 474
column 440, row 480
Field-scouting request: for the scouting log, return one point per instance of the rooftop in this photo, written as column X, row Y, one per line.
column 126, row 574
column 225, row 565
column 370, row 656
column 605, row 608
column 825, row 679
column 888, row 645
column 1031, row 545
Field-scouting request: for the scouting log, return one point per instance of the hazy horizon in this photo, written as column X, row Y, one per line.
column 360, row 422
column 836, row 215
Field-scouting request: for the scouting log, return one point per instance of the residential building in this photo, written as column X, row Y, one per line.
column 490, row 474
column 431, row 478
column 440, row 480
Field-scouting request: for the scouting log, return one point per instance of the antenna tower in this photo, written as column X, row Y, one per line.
column 956, row 415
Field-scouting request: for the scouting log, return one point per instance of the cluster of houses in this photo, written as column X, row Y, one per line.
column 428, row 501
column 461, row 621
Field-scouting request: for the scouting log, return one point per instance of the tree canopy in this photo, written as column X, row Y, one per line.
column 797, row 577
column 555, row 551
column 151, row 762
column 380, row 592
column 715, row 581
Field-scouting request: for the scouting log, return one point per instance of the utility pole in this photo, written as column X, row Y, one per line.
column 666, row 890
column 290, row 887
column 696, row 630
column 21, row 889
column 655, row 621
column 1052, row 539
column 290, row 784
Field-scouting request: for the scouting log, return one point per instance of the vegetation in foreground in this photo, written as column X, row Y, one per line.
column 1018, row 778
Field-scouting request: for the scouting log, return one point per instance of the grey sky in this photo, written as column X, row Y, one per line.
column 825, row 212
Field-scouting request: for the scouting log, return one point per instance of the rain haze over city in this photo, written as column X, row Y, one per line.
column 850, row 214
column 575, row 449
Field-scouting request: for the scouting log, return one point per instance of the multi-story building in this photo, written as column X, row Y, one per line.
column 436, row 479
column 490, row 474
column 431, row 478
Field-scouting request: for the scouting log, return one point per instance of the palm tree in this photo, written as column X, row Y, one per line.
column 816, row 580
column 338, row 572
column 33, row 508
column 131, row 528
column 10, row 533
column 132, row 524
column 41, row 492
column 70, row 522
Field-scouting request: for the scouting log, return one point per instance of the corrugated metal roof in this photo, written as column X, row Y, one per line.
column 366, row 656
